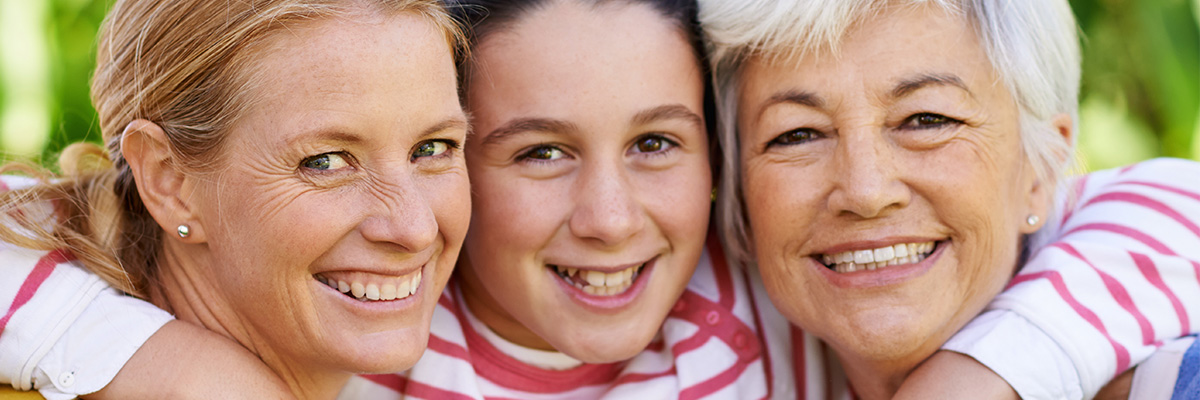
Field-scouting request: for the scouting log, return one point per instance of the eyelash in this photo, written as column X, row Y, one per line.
column 527, row 155
column 783, row 139
column 346, row 158
column 665, row 145
column 451, row 145
column 912, row 122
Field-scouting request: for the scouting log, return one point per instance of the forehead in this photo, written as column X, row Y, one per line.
column 884, row 48
column 358, row 66
column 595, row 51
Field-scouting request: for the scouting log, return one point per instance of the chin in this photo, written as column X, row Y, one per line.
column 607, row 346
column 888, row 339
column 384, row 352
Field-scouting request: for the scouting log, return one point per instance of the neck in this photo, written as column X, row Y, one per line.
column 192, row 295
column 872, row 379
column 488, row 311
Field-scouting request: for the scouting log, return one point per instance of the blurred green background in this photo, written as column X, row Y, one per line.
column 1140, row 99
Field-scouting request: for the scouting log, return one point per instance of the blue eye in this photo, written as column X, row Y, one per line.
column 542, row 153
column 928, row 121
column 795, row 136
column 325, row 162
column 431, row 148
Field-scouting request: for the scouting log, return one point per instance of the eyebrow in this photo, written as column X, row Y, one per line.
column 908, row 86
column 800, row 97
column 451, row 123
column 521, row 125
column 666, row 112
column 342, row 136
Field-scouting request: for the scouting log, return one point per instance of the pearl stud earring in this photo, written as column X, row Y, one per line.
column 183, row 230
column 1032, row 220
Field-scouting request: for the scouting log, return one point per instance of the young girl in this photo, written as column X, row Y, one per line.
column 592, row 189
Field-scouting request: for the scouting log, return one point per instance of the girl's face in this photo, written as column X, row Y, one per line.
column 590, row 178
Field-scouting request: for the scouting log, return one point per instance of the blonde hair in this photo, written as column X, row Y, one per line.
column 181, row 64
column 1032, row 44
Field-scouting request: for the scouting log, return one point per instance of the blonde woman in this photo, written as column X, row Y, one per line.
column 263, row 153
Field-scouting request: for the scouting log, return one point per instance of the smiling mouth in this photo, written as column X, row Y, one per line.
column 599, row 283
column 873, row 259
column 377, row 288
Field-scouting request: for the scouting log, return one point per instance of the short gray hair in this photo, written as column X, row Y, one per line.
column 1032, row 44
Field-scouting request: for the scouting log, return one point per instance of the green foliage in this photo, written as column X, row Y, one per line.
column 1140, row 96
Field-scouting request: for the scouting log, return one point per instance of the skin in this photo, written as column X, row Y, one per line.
column 588, row 185
column 353, row 143
column 844, row 160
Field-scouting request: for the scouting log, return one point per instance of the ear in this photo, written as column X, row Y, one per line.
column 1041, row 195
column 165, row 188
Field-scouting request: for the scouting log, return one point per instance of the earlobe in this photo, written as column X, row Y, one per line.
column 162, row 183
column 1042, row 193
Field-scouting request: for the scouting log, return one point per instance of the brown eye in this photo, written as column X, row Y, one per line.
column 650, row 144
column 543, row 153
column 795, row 136
column 927, row 121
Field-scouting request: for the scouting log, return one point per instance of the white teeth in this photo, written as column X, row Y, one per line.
column 597, row 282
column 884, row 253
column 382, row 288
column 595, row 278
column 614, row 279
column 864, row 256
column 872, row 259
column 416, row 283
column 404, row 289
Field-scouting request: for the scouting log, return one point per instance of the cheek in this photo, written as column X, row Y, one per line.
column 679, row 199
column 513, row 218
column 780, row 207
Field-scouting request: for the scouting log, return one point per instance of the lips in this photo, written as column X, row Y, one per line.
column 876, row 258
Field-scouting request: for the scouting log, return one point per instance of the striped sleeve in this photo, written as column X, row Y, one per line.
column 1109, row 280
column 63, row 330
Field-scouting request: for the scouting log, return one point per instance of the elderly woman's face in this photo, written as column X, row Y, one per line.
column 590, row 173
column 346, row 173
column 885, row 186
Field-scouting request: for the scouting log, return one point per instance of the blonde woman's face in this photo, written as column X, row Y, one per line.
column 885, row 186
column 347, row 173
column 590, row 176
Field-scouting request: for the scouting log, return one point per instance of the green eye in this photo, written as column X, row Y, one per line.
column 325, row 162
column 430, row 149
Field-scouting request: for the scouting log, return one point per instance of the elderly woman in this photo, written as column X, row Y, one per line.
column 284, row 173
column 893, row 158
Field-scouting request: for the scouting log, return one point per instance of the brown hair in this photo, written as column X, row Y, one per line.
column 181, row 64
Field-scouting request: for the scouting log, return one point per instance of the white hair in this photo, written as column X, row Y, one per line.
column 1032, row 44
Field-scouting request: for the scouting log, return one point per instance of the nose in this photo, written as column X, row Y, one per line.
column 606, row 208
column 402, row 217
column 866, row 177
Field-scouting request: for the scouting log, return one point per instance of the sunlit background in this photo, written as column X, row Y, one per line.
column 1140, row 99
